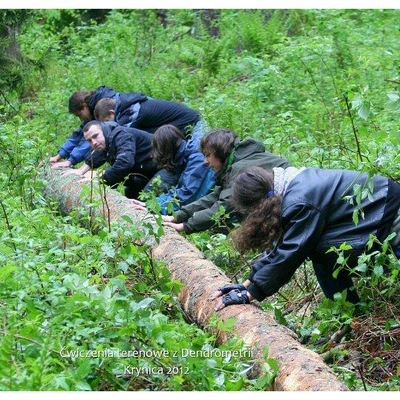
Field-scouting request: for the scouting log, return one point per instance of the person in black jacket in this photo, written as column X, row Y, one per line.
column 127, row 150
column 304, row 213
column 148, row 114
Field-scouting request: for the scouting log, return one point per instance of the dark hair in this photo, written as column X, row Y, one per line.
column 78, row 101
column 220, row 142
column 103, row 107
column 90, row 124
column 251, row 196
column 165, row 143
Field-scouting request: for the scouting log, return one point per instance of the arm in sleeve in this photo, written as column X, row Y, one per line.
column 202, row 219
column 79, row 153
column 192, row 179
column 75, row 147
column 205, row 202
column 301, row 235
column 96, row 159
column 124, row 161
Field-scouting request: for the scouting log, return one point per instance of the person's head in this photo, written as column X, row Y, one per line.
column 78, row 105
column 93, row 133
column 253, row 196
column 104, row 110
column 166, row 141
column 216, row 146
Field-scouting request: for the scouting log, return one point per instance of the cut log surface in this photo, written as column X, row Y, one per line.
column 300, row 369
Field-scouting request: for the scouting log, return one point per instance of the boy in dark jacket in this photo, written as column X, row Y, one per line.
column 225, row 153
column 149, row 114
column 127, row 150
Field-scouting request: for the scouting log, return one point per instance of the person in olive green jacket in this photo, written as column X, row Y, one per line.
column 226, row 154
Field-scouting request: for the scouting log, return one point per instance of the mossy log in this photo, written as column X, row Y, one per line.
column 300, row 369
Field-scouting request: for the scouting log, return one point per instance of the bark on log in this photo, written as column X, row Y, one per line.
column 300, row 369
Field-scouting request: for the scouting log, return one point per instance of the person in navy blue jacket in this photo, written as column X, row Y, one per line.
column 127, row 150
column 150, row 114
column 184, row 175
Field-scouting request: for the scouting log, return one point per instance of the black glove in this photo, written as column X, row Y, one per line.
column 231, row 286
column 236, row 297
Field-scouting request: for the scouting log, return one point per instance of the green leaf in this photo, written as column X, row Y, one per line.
column 142, row 304
column 378, row 270
column 393, row 97
column 61, row 382
column 6, row 272
column 279, row 316
column 361, row 267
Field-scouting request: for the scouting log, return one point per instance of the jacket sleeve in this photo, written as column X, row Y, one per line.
column 198, row 215
column 191, row 179
column 302, row 232
column 124, row 161
column 96, row 159
column 75, row 148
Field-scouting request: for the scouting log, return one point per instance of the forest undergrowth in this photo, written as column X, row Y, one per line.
column 319, row 87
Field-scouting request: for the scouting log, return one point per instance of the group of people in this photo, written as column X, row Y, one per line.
column 141, row 138
column 289, row 214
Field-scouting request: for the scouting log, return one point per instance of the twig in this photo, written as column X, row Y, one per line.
column 392, row 81
column 6, row 100
column 8, row 225
column 316, row 86
column 152, row 269
column 358, row 367
column 107, row 211
column 29, row 340
column 346, row 99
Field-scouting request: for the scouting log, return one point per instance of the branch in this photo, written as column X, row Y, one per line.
column 8, row 225
column 346, row 99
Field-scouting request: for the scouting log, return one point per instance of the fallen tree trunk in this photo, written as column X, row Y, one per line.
column 300, row 369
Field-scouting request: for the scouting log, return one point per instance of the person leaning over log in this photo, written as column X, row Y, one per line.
column 225, row 153
column 303, row 213
column 133, row 109
column 127, row 150
column 183, row 160
column 150, row 114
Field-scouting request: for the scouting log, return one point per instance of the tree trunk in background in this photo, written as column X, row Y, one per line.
column 300, row 369
column 210, row 17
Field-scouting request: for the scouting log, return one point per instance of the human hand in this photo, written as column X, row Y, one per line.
column 55, row 159
column 232, row 294
column 138, row 205
column 71, row 171
column 226, row 289
column 177, row 227
column 167, row 218
column 62, row 164
column 235, row 296
column 85, row 179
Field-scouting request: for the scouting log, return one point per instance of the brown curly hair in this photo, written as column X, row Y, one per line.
column 252, row 197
